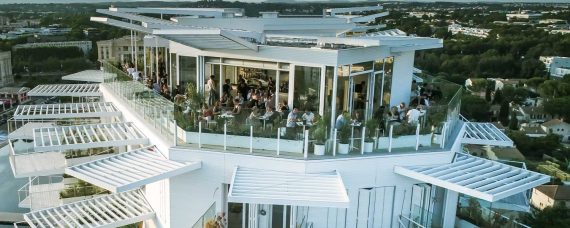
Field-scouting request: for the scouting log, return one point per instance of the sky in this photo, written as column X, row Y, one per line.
column 99, row 1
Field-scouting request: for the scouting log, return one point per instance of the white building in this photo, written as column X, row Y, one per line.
column 550, row 196
column 259, row 173
column 120, row 49
column 557, row 66
column 84, row 46
column 478, row 32
column 6, row 77
column 558, row 127
column 525, row 15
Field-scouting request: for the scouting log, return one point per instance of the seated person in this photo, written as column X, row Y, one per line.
column 357, row 118
column 308, row 117
column 413, row 115
column 254, row 114
column 394, row 115
column 217, row 109
column 341, row 120
column 292, row 118
column 237, row 107
column 207, row 113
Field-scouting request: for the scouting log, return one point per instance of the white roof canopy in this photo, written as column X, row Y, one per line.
column 284, row 188
column 130, row 170
column 89, row 76
column 66, row 90
column 477, row 177
column 485, row 134
column 87, row 136
column 105, row 211
column 66, row 110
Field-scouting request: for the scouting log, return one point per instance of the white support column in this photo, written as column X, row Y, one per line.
column 450, row 210
column 144, row 60
column 156, row 54
column 402, row 78
column 221, row 80
column 277, row 85
column 333, row 100
column 322, row 96
column 291, row 92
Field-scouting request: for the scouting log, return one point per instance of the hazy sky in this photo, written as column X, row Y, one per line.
column 99, row 1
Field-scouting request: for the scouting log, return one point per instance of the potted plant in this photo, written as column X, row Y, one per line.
column 371, row 126
column 320, row 136
column 344, row 139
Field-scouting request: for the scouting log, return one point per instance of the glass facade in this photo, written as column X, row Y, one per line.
column 307, row 88
column 187, row 70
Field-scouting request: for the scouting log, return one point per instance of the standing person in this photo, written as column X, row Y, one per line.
column 212, row 95
column 227, row 88
column 242, row 88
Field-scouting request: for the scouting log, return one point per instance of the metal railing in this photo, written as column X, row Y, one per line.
column 147, row 104
column 405, row 222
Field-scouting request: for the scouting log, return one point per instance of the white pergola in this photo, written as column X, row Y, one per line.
column 477, row 177
column 258, row 186
column 485, row 134
column 66, row 90
column 87, row 136
column 27, row 131
column 89, row 76
column 66, row 110
column 105, row 211
column 130, row 170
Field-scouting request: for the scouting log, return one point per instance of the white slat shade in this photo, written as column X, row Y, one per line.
column 130, row 170
column 105, row 211
column 87, row 136
column 260, row 186
column 478, row 177
column 89, row 76
column 66, row 90
column 485, row 134
column 66, row 110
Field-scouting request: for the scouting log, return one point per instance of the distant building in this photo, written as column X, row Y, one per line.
column 558, row 127
column 469, row 31
column 550, row 195
column 90, row 32
column 525, row 15
column 85, row 46
column 118, row 50
column 556, row 66
column 14, row 95
column 553, row 21
column 4, row 20
column 532, row 115
column 6, row 76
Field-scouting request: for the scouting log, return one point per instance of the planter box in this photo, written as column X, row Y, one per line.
column 342, row 148
column 285, row 145
column 319, row 149
column 404, row 141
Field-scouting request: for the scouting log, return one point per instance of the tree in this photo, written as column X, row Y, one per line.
column 474, row 108
column 557, row 216
column 514, row 122
column 554, row 88
column 534, row 147
column 498, row 99
column 558, row 107
column 504, row 113
column 534, row 82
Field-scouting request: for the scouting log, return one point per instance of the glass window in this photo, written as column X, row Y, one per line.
column 359, row 67
column 187, row 70
column 307, row 88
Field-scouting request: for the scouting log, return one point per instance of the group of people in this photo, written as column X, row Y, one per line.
column 254, row 104
column 409, row 115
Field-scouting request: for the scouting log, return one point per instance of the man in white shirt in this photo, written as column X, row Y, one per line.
column 413, row 115
column 308, row 117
